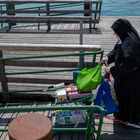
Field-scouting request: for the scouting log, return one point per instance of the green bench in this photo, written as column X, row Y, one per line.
column 62, row 11
column 26, row 73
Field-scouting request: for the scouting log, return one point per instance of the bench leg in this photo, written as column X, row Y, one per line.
column 49, row 26
column 81, row 32
column 81, row 58
column 90, row 21
column 48, row 14
column 90, row 26
column 9, row 26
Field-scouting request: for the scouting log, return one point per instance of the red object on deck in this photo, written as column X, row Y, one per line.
column 32, row 126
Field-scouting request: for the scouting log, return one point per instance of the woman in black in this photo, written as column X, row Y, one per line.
column 126, row 71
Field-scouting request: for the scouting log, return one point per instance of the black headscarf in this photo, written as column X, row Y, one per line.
column 124, row 29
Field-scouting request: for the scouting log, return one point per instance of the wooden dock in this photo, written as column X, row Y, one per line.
column 68, row 34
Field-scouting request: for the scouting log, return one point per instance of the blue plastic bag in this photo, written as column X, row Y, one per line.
column 104, row 98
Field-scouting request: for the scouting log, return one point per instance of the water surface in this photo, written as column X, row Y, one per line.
column 121, row 7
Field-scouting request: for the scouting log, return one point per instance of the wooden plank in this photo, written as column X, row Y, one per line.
column 47, row 47
column 39, row 81
column 46, row 11
column 3, row 80
column 54, row 1
column 37, row 63
column 42, row 18
column 81, row 136
column 65, row 136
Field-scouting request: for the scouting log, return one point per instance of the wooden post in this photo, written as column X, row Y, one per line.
column 10, row 6
column 48, row 13
column 90, row 21
column 1, row 15
column 81, row 58
column 3, row 80
column 39, row 15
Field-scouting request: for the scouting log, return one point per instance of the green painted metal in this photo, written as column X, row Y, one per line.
column 69, row 129
column 57, row 129
column 89, row 130
column 44, row 71
column 98, row 132
column 49, row 56
column 90, row 126
column 3, row 129
column 44, row 108
column 54, row 6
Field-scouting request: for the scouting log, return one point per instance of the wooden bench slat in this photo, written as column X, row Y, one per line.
column 48, row 47
column 48, row 12
column 52, row 1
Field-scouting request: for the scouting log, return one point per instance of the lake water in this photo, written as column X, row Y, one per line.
column 121, row 7
column 114, row 7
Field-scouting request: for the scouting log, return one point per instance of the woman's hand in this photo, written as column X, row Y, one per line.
column 107, row 69
column 104, row 59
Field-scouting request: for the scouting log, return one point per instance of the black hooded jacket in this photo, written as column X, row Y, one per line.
column 126, row 71
column 130, row 48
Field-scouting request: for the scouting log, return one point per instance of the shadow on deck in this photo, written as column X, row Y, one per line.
column 56, row 29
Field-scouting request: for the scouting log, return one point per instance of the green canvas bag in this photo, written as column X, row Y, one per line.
column 89, row 78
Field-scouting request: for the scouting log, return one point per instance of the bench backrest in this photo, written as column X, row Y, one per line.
column 52, row 8
column 32, row 66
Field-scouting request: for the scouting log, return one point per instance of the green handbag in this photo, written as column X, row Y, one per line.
column 89, row 78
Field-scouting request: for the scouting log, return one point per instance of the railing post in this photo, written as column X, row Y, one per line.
column 81, row 58
column 3, row 80
column 1, row 15
column 81, row 32
column 100, row 6
column 90, row 128
column 10, row 6
column 39, row 15
column 90, row 21
column 48, row 13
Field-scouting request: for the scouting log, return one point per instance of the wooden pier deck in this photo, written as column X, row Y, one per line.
column 67, row 34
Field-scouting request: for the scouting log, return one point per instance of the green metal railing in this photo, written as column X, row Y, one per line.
column 90, row 130
column 5, row 73
column 50, row 56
